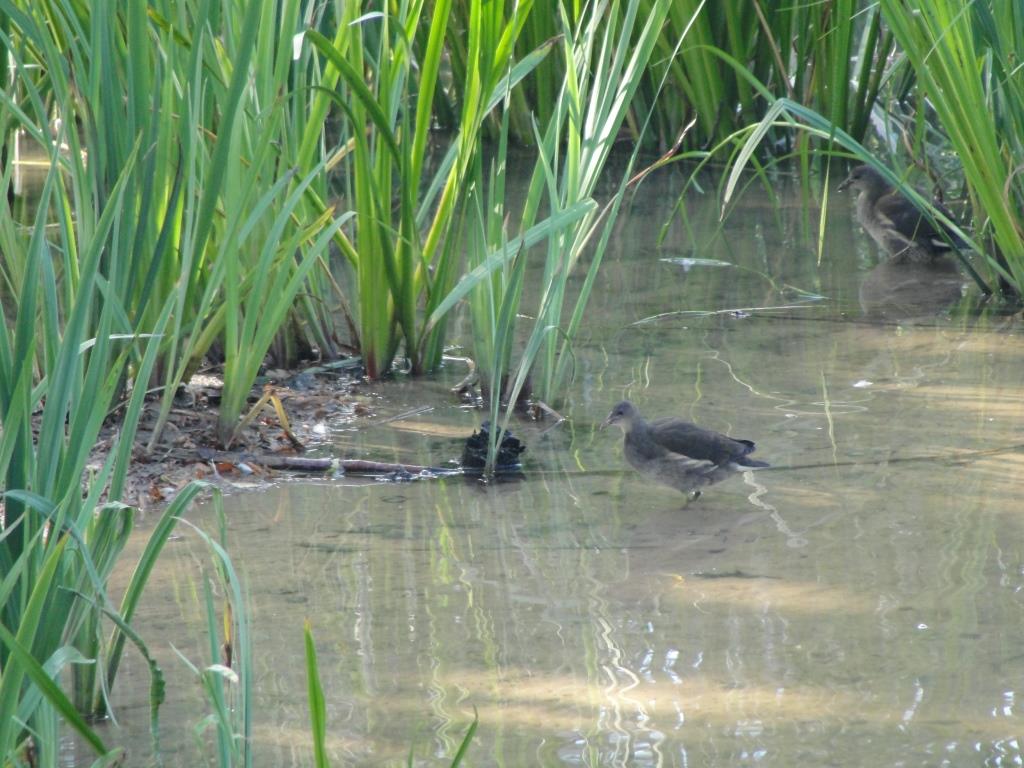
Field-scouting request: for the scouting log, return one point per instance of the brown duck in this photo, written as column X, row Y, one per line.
column 894, row 222
column 677, row 453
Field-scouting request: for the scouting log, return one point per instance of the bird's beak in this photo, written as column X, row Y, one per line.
column 606, row 423
column 845, row 183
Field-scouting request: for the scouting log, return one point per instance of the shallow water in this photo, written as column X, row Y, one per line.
column 860, row 603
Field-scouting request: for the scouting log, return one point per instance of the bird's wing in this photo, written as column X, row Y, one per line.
column 689, row 466
column 708, row 471
column 897, row 213
column 694, row 442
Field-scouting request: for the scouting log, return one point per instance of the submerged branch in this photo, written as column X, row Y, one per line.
column 320, row 465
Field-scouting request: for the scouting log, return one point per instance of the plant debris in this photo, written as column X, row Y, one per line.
column 474, row 454
column 187, row 449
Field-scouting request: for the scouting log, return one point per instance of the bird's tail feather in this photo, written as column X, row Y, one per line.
column 751, row 463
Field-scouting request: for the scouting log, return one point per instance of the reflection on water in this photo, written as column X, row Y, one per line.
column 860, row 603
column 909, row 290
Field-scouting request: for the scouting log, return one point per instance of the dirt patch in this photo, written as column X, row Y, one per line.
column 187, row 448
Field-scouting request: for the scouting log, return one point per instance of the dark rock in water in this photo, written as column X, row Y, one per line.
column 474, row 454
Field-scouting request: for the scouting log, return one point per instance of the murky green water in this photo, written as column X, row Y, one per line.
column 860, row 604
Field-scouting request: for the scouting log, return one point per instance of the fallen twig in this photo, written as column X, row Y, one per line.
column 321, row 465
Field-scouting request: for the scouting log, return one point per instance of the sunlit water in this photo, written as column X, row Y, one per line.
column 859, row 604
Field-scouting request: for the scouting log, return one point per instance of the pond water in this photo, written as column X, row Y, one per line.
column 859, row 603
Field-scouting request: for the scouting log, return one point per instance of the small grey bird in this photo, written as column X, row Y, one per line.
column 894, row 222
column 677, row 453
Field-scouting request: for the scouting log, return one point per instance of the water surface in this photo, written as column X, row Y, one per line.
column 858, row 604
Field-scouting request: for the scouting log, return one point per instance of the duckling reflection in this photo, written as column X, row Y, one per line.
column 679, row 454
column 897, row 290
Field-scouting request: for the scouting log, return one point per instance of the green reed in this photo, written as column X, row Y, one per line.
column 605, row 56
column 402, row 248
column 797, row 119
column 315, row 698
column 93, row 293
column 60, row 541
column 967, row 104
column 225, row 232
column 318, row 710
column 965, row 59
column 253, row 242
column 828, row 55
column 227, row 679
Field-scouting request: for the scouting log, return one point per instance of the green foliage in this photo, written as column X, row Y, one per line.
column 317, row 709
column 969, row 106
column 227, row 681
column 605, row 58
column 63, row 361
column 467, row 740
column 60, row 365
column 591, row 107
column 829, row 56
column 966, row 60
column 403, row 250
column 187, row 213
column 794, row 117
column 739, row 56
column 215, row 236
